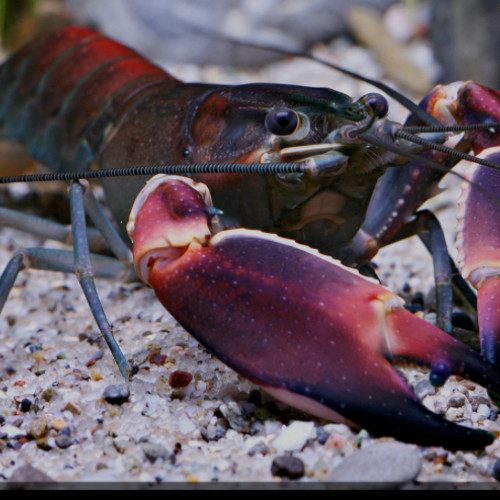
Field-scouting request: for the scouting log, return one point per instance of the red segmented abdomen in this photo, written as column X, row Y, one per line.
column 60, row 94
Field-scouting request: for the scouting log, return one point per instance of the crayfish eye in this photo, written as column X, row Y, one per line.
column 282, row 121
column 378, row 104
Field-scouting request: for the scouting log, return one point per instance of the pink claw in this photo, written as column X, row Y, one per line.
column 310, row 331
column 478, row 244
column 478, row 236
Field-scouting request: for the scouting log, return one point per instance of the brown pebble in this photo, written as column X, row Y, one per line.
column 475, row 401
column 38, row 428
column 38, row 356
column 49, row 394
column 179, row 379
column 43, row 444
column 72, row 408
column 95, row 375
column 457, row 400
column 58, row 424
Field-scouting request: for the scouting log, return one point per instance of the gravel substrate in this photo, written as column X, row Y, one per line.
column 186, row 418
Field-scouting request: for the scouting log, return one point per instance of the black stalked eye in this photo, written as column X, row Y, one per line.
column 378, row 104
column 282, row 121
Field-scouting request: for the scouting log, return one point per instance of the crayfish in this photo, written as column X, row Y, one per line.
column 275, row 301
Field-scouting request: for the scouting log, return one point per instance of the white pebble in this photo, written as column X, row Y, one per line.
column 11, row 431
column 186, row 426
column 294, row 437
column 483, row 410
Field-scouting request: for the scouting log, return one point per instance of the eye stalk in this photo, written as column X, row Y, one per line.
column 282, row 121
column 377, row 103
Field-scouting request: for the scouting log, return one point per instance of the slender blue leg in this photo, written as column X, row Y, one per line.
column 427, row 227
column 105, row 227
column 47, row 229
column 85, row 274
column 9, row 276
column 49, row 259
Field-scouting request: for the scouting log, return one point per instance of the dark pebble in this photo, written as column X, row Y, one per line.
column 63, row 441
column 2, row 420
column 14, row 444
column 116, row 394
column 65, row 431
column 25, row 405
column 322, row 435
column 496, row 470
column 35, row 347
column 288, row 466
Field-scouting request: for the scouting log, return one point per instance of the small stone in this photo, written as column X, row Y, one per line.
column 424, row 388
column 15, row 444
column 470, row 459
column 63, row 441
column 25, row 405
column 95, row 358
column 322, row 435
column 483, row 411
column 44, row 444
column 72, row 408
column 236, row 417
column 156, row 358
column 288, row 466
column 179, row 379
column 116, row 394
column 9, row 431
column 121, row 444
column 496, row 470
column 476, row 401
column 66, row 431
column 58, row 424
column 216, row 431
column 153, row 451
column 384, row 461
column 456, row 400
column 261, row 447
column 294, row 437
column 38, row 428
column 336, row 442
column 95, row 375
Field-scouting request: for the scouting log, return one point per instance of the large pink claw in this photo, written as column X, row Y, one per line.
column 478, row 244
column 478, row 234
column 308, row 330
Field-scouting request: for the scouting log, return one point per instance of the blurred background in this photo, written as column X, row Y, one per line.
column 460, row 35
